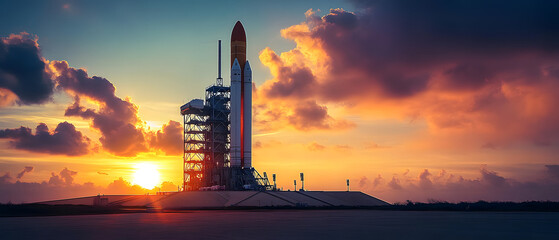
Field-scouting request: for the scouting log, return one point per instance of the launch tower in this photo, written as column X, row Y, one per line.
column 218, row 131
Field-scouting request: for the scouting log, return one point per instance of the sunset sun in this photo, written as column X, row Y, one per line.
column 146, row 175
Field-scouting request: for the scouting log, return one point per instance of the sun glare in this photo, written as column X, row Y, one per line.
column 146, row 175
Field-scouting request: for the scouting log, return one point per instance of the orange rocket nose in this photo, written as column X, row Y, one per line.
column 238, row 44
column 238, row 33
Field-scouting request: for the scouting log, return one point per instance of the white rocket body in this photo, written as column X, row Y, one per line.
column 236, row 82
column 247, row 118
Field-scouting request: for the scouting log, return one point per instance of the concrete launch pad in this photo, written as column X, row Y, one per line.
column 231, row 200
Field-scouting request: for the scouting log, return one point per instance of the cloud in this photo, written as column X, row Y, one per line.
column 116, row 119
column 372, row 145
column 455, row 65
column 363, row 182
column 23, row 78
column 62, row 185
column 5, row 178
column 309, row 115
column 294, row 80
column 378, row 180
column 168, row 187
column 121, row 186
column 488, row 186
column 301, row 115
column 65, row 139
column 65, row 177
column 395, row 183
column 424, row 179
column 492, row 178
column 26, row 169
column 343, row 147
column 316, row 147
column 123, row 132
column 168, row 139
column 7, row 97
column 27, row 78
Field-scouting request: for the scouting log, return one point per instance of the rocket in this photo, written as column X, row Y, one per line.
column 241, row 100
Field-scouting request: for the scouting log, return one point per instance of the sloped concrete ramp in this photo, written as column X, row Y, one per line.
column 231, row 199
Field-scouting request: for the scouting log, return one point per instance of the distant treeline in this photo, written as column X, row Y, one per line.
column 25, row 210
column 532, row 206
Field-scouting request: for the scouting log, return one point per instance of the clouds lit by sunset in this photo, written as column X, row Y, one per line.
column 409, row 100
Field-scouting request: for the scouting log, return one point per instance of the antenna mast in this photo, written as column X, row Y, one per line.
column 219, row 79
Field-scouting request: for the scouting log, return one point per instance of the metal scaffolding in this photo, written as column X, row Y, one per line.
column 206, row 147
column 206, row 139
column 195, row 135
column 217, row 106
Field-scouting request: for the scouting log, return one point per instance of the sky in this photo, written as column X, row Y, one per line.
column 424, row 101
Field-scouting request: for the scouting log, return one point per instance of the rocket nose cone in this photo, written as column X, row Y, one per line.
column 236, row 65
column 238, row 33
column 247, row 66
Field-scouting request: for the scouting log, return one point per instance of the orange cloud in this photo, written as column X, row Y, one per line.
column 346, row 61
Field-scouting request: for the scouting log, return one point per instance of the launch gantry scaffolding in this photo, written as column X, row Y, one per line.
column 206, row 139
column 195, row 131
column 206, row 147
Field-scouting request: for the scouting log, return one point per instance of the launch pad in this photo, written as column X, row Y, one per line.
column 231, row 200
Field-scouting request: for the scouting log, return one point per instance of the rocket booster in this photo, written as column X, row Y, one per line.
column 247, row 116
column 236, row 85
column 241, row 100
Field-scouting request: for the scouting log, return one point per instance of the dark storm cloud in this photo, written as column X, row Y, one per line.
column 26, row 169
column 454, row 64
column 397, row 48
column 64, row 140
column 485, row 27
column 400, row 44
column 22, row 69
